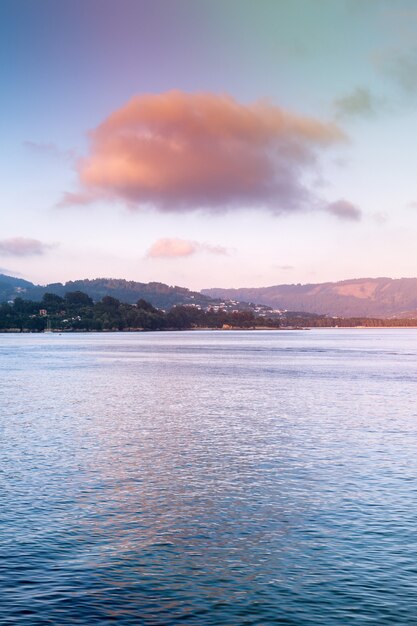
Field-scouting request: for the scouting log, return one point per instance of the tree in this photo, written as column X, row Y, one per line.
column 146, row 306
column 77, row 298
column 110, row 303
column 51, row 302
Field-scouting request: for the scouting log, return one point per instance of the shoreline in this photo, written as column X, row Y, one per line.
column 204, row 329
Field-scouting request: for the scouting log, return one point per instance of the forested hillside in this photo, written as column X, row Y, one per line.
column 379, row 297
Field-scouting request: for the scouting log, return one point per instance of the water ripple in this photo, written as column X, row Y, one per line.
column 209, row 478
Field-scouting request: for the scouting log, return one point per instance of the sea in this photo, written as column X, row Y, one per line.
column 209, row 478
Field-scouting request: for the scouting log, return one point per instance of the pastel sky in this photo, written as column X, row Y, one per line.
column 208, row 143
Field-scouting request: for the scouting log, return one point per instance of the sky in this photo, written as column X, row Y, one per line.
column 208, row 143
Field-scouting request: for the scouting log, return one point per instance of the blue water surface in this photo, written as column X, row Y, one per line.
column 209, row 478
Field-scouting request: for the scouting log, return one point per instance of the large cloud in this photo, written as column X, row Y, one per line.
column 175, row 248
column 22, row 246
column 182, row 152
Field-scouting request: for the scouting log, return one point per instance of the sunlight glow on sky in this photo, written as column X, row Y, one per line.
column 206, row 143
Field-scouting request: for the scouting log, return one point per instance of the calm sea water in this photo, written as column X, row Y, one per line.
column 209, row 478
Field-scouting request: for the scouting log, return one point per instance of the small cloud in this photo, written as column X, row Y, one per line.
column 22, row 247
column 359, row 103
column 180, row 152
column 284, row 268
column 206, row 247
column 341, row 162
column 50, row 149
column 344, row 210
column 176, row 248
column 380, row 217
column 412, row 205
column 71, row 198
column 403, row 70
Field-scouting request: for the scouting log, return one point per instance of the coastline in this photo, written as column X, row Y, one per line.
column 205, row 329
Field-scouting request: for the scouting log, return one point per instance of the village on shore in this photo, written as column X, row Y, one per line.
column 77, row 312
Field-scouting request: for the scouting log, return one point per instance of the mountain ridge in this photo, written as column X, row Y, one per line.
column 379, row 297
column 158, row 294
column 358, row 297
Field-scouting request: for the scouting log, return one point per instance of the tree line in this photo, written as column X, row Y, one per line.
column 76, row 311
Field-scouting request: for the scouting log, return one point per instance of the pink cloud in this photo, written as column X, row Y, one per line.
column 71, row 198
column 182, row 152
column 344, row 210
column 22, row 246
column 176, row 248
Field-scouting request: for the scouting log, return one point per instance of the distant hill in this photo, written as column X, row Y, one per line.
column 361, row 297
column 10, row 287
column 160, row 295
column 372, row 297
